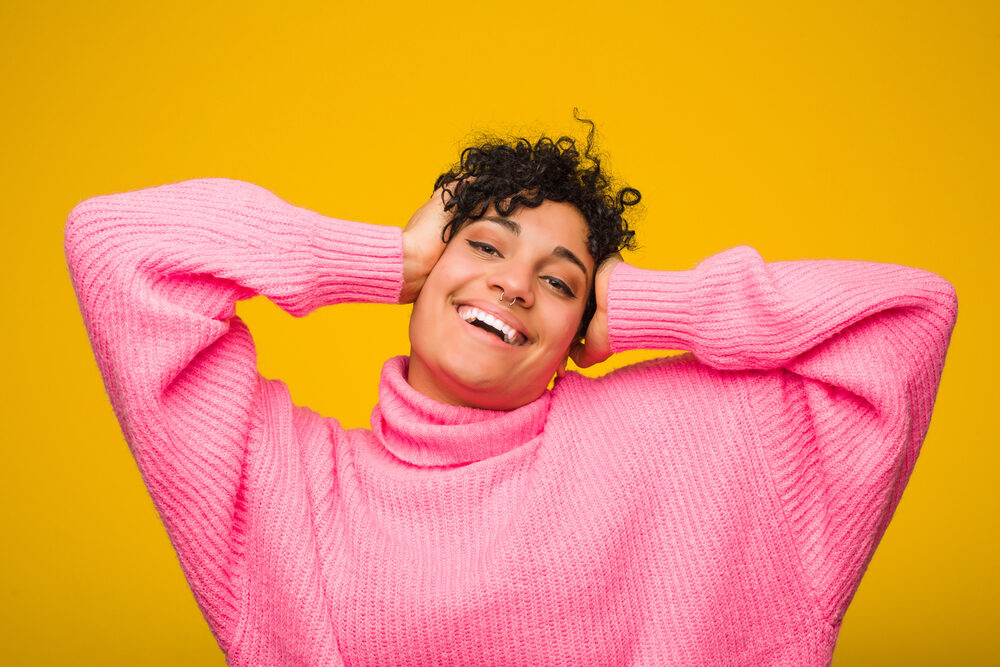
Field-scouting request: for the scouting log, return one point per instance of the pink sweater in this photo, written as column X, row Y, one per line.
column 713, row 508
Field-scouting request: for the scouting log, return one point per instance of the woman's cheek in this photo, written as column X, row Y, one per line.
column 570, row 325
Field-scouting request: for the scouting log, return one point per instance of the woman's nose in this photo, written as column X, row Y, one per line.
column 511, row 285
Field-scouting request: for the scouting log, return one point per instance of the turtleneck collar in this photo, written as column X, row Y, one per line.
column 424, row 432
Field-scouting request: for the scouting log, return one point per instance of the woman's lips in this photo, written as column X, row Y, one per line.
column 498, row 327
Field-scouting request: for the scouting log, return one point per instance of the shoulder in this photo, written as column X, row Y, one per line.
column 678, row 382
column 673, row 409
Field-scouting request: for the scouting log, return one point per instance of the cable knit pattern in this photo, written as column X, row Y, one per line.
column 712, row 508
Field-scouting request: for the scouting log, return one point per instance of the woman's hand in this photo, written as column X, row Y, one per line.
column 422, row 244
column 596, row 345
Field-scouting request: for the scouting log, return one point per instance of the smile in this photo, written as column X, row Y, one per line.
column 494, row 325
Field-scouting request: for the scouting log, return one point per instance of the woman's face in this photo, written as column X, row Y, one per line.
column 469, row 348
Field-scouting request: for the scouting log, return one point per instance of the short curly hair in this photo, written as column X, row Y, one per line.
column 511, row 173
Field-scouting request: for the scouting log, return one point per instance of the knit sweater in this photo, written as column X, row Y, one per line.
column 716, row 507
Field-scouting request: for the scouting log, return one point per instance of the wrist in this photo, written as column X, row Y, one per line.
column 415, row 267
column 650, row 309
column 602, row 279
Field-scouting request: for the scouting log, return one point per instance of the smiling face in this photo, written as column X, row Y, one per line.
column 467, row 347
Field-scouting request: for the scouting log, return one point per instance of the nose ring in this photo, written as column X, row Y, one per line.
column 512, row 301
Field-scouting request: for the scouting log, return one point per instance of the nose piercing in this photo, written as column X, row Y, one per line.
column 512, row 301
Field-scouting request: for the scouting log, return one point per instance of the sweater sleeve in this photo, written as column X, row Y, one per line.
column 157, row 273
column 841, row 362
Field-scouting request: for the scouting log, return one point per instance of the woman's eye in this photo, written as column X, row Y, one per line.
column 484, row 248
column 559, row 285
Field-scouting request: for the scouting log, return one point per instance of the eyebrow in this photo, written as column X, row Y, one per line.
column 509, row 224
column 560, row 251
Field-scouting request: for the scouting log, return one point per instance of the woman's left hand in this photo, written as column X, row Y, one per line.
column 596, row 345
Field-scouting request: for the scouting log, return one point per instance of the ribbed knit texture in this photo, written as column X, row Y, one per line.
column 713, row 508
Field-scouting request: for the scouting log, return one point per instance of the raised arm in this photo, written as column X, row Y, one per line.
column 158, row 273
column 840, row 362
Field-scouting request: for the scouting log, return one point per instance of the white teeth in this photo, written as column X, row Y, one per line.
column 511, row 335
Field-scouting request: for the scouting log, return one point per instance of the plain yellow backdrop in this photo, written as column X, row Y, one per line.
column 851, row 130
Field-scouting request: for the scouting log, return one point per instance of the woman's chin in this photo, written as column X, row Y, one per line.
column 486, row 388
column 478, row 387
column 476, row 378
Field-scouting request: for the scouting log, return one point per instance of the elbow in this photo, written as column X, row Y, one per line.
column 88, row 228
column 86, row 217
column 951, row 300
column 932, row 298
column 932, row 331
column 945, row 299
column 81, row 220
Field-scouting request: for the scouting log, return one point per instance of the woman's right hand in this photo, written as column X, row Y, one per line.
column 422, row 244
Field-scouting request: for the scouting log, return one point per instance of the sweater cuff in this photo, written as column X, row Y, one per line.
column 355, row 262
column 649, row 310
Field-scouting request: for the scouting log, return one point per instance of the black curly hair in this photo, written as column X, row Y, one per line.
column 512, row 173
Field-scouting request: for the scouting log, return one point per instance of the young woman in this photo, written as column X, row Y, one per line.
column 713, row 508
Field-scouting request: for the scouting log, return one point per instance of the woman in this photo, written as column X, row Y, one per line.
column 713, row 508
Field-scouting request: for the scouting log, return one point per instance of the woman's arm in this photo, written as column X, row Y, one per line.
column 158, row 273
column 841, row 363
column 736, row 312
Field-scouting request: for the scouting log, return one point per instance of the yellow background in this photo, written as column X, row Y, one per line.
column 844, row 129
